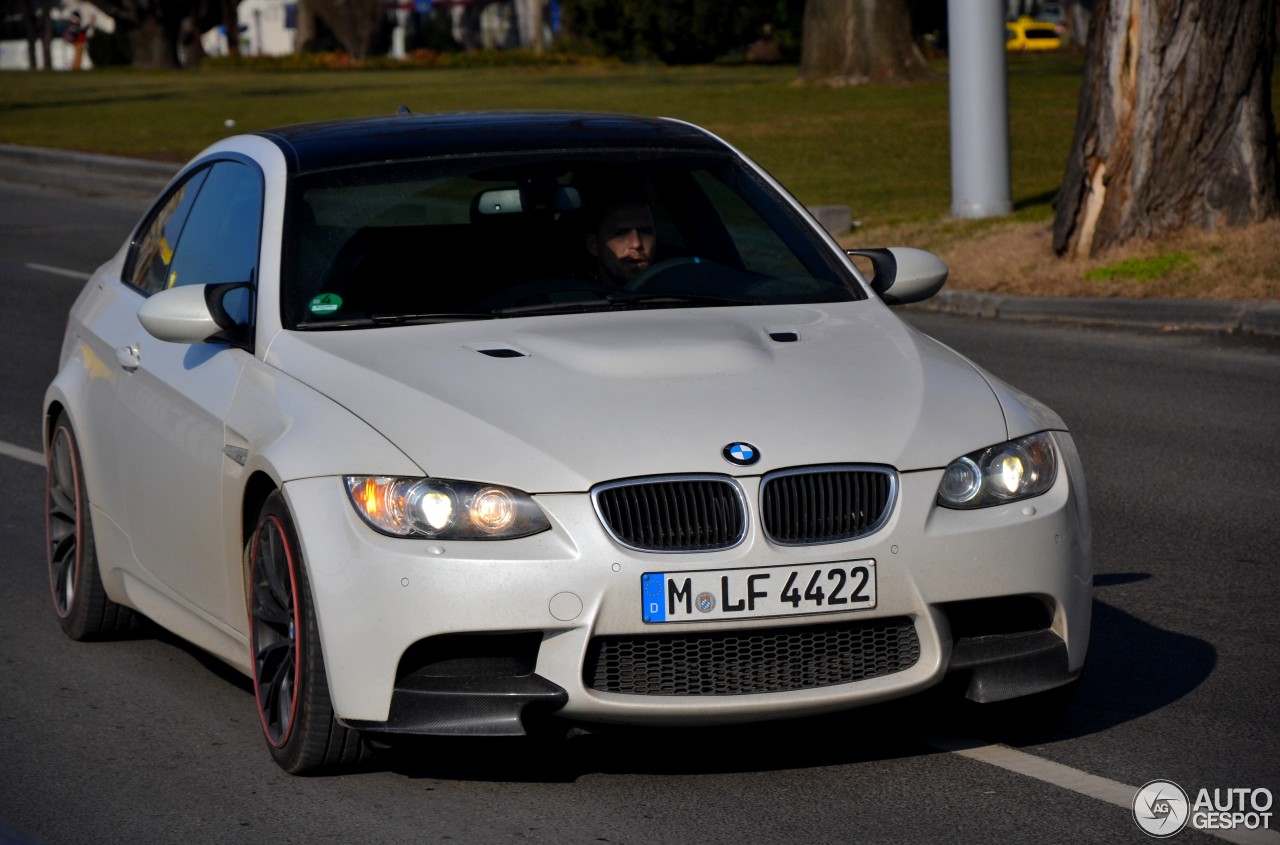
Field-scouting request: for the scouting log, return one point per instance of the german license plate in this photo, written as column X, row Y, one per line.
column 747, row 593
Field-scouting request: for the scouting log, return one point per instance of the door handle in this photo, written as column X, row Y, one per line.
column 128, row 358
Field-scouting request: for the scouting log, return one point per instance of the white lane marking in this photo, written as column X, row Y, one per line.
column 60, row 271
column 28, row 455
column 1094, row 786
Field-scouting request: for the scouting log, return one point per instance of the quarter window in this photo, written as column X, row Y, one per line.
column 159, row 238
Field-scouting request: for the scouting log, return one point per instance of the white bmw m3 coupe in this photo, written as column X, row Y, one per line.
column 478, row 423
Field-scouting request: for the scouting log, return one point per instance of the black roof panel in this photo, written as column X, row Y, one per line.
column 404, row 137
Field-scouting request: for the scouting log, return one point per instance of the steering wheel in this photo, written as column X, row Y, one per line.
column 646, row 276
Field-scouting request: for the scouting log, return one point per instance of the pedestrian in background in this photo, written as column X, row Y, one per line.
column 76, row 35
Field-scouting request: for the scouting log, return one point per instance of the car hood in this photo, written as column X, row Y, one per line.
column 559, row 403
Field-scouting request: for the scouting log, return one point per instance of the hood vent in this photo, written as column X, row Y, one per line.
column 784, row 337
column 503, row 353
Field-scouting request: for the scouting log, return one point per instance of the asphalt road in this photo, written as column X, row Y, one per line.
column 148, row 740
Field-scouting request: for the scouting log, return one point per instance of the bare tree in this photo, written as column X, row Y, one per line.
column 353, row 22
column 1077, row 14
column 851, row 42
column 531, row 14
column 472, row 23
column 153, row 26
column 231, row 24
column 307, row 26
column 1175, row 126
column 29, row 23
column 46, row 33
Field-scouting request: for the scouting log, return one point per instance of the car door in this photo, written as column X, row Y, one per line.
column 175, row 398
column 106, row 326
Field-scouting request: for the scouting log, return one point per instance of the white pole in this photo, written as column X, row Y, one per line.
column 398, row 34
column 980, row 181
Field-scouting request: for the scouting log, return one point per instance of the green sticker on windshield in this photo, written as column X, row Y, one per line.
column 325, row 303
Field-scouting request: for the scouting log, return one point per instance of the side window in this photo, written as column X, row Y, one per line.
column 159, row 238
column 220, row 240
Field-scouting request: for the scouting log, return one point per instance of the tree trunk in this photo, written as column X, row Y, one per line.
column 1175, row 126
column 231, row 24
column 470, row 25
column 190, row 48
column 29, row 21
column 155, row 44
column 536, row 10
column 46, row 34
column 353, row 22
column 852, row 42
column 1077, row 19
column 306, row 27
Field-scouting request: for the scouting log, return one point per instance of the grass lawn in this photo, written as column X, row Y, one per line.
column 881, row 150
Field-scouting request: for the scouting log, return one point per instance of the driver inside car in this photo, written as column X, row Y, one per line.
column 622, row 240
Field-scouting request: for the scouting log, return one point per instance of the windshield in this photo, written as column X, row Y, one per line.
column 484, row 238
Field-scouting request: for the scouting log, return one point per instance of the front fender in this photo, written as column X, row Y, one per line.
column 283, row 428
column 279, row 430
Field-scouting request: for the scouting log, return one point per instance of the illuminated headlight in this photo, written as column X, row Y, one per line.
column 1018, row 469
column 445, row 510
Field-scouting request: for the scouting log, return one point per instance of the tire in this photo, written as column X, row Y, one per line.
column 290, row 687
column 79, row 599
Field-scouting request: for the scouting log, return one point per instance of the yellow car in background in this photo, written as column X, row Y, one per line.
column 1027, row 34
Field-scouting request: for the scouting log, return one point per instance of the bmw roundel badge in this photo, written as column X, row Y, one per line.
column 742, row 454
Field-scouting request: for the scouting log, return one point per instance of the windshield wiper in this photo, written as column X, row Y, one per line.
column 391, row 320
column 322, row 325
column 624, row 302
column 577, row 306
column 681, row 299
column 425, row 319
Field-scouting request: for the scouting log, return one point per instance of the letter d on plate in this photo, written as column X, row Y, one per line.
column 655, row 603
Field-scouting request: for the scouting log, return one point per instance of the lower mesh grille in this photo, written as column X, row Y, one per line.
column 754, row 661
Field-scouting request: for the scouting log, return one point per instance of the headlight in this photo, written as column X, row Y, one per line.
column 445, row 510
column 999, row 474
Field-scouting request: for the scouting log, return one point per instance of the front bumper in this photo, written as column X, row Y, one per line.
column 378, row 597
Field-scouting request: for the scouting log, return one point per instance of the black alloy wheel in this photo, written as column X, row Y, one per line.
column 275, row 634
column 289, row 681
column 79, row 598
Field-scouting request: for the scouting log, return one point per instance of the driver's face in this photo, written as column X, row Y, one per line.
column 623, row 243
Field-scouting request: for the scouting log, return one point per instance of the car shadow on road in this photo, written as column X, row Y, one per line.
column 857, row 736
column 215, row 666
column 1134, row 669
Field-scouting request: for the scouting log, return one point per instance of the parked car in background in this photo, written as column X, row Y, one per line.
column 1030, row 35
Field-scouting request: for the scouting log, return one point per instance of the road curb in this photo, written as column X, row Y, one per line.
column 1255, row 317
column 83, row 173
column 104, row 175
